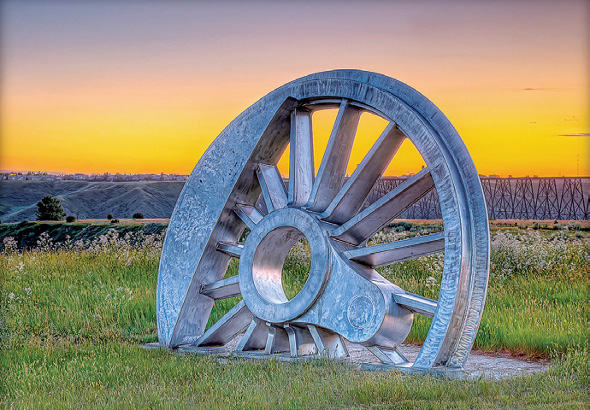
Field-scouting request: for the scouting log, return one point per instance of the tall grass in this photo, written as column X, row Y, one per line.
column 537, row 297
column 72, row 318
column 104, row 290
column 538, row 292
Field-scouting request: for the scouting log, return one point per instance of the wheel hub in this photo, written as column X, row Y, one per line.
column 262, row 260
column 335, row 296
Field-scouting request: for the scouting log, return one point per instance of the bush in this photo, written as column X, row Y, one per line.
column 138, row 215
column 110, row 216
column 114, row 221
column 400, row 226
column 575, row 226
column 70, row 218
column 49, row 209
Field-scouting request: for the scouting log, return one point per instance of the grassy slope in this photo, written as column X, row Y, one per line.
column 18, row 199
column 74, row 321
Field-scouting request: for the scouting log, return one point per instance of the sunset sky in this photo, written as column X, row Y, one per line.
column 145, row 87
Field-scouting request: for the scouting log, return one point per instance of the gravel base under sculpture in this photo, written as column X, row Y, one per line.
column 478, row 364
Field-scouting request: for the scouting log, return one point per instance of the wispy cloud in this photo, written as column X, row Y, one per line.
column 581, row 134
column 538, row 89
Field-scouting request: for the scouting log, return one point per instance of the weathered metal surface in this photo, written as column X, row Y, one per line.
column 333, row 168
column 343, row 296
column 357, row 188
column 388, row 253
column 372, row 219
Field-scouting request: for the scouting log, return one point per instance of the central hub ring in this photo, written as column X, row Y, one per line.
column 262, row 259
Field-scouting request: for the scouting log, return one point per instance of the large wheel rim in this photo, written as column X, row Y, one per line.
column 218, row 200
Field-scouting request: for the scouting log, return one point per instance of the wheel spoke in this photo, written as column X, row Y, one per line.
column 301, row 168
column 254, row 338
column 357, row 188
column 222, row 289
column 249, row 215
column 362, row 226
column 388, row 253
column 388, row 355
column 330, row 344
column 416, row 303
column 292, row 340
column 226, row 328
column 335, row 160
column 276, row 341
column 230, row 249
column 301, row 342
column 273, row 189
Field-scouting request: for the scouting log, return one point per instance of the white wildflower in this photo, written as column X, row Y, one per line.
column 10, row 244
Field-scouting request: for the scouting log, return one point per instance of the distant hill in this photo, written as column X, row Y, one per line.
column 89, row 200
column 507, row 198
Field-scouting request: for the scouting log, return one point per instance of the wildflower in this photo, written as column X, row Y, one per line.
column 10, row 244
column 45, row 243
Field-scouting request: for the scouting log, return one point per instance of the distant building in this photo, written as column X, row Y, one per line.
column 105, row 177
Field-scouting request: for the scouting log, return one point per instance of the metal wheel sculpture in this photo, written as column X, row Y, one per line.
column 344, row 296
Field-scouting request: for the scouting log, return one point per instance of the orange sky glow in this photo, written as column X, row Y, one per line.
column 145, row 87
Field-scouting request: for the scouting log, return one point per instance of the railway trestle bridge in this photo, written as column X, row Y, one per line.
column 543, row 198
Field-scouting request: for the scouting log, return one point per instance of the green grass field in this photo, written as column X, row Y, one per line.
column 73, row 319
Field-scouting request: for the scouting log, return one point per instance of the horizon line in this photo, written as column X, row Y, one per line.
column 510, row 176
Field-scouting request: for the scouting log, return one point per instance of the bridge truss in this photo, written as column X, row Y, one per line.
column 553, row 198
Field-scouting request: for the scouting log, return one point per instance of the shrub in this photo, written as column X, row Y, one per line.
column 114, row 221
column 405, row 226
column 110, row 216
column 50, row 209
column 138, row 215
column 70, row 218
